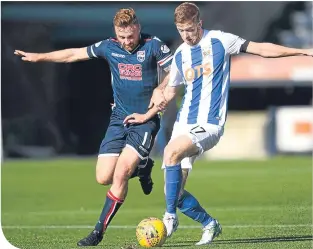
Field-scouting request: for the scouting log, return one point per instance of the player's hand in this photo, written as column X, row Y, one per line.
column 30, row 57
column 158, row 100
column 135, row 118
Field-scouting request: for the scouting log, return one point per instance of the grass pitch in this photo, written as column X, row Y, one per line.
column 260, row 204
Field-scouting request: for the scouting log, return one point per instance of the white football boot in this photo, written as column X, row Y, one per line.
column 210, row 231
column 171, row 223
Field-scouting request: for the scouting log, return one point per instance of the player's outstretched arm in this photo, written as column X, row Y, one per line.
column 61, row 56
column 270, row 50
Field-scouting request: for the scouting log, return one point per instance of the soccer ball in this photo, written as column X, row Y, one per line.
column 151, row 232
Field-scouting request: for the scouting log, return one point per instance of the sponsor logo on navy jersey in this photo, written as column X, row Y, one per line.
column 118, row 55
column 130, row 71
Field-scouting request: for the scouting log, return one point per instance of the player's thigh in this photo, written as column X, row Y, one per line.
column 140, row 138
column 126, row 164
column 181, row 140
column 179, row 148
column 205, row 136
column 105, row 169
column 114, row 139
column 179, row 130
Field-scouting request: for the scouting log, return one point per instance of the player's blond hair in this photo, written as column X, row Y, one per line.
column 125, row 17
column 187, row 12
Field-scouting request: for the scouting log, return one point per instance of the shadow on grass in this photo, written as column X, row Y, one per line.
column 178, row 245
column 245, row 241
column 264, row 240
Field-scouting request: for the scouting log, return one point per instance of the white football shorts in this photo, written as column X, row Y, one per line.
column 205, row 137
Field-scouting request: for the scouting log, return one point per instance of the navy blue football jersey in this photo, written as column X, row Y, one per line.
column 134, row 74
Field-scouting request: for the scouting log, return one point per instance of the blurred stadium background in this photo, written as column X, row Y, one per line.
column 262, row 193
column 63, row 109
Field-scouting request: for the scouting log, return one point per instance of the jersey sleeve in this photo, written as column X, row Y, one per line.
column 232, row 42
column 98, row 50
column 163, row 54
column 176, row 78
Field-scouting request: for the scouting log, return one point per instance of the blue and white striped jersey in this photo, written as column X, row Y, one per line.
column 204, row 69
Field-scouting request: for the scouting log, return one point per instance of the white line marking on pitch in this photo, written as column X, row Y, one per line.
column 127, row 211
column 133, row 227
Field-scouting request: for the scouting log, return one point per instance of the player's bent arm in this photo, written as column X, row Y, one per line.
column 151, row 113
column 270, row 50
column 170, row 93
column 164, row 83
column 137, row 118
column 157, row 98
column 60, row 56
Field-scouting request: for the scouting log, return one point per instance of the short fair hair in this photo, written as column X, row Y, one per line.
column 187, row 12
column 125, row 17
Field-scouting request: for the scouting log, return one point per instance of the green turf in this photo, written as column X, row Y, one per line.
column 260, row 204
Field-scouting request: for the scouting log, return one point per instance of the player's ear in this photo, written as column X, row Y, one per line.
column 200, row 23
column 139, row 27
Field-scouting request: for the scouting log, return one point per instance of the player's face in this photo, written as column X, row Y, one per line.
column 128, row 36
column 190, row 32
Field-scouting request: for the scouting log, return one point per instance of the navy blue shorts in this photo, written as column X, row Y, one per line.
column 139, row 137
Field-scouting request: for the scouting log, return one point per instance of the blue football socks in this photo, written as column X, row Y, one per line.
column 190, row 206
column 173, row 180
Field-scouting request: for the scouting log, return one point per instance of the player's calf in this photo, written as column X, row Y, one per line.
column 110, row 208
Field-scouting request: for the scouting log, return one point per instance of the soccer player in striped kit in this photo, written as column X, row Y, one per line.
column 202, row 65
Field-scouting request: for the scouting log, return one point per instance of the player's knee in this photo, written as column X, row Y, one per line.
column 171, row 155
column 168, row 154
column 104, row 180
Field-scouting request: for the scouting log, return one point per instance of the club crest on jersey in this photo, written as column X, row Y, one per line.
column 141, row 56
column 206, row 51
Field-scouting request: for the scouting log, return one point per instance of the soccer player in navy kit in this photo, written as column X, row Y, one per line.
column 133, row 58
